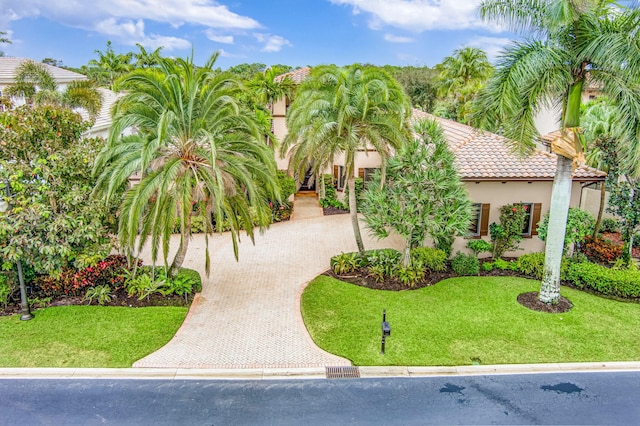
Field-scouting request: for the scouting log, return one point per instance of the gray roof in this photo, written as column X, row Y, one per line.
column 103, row 120
column 60, row 75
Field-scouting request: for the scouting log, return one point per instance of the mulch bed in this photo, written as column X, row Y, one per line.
column 528, row 300
column 328, row 211
column 119, row 298
column 616, row 239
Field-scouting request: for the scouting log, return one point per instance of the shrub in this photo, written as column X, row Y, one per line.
column 410, row 275
column 6, row 290
column 609, row 224
column 504, row 265
column 507, row 235
column 330, row 199
column 617, row 282
column 487, row 266
column 601, row 251
column 386, row 259
column 287, row 184
column 345, row 263
column 479, row 246
column 193, row 277
column 465, row 264
column 531, row 264
column 433, row 260
column 280, row 212
column 102, row 293
column 580, row 223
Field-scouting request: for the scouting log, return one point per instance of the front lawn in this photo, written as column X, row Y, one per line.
column 467, row 320
column 87, row 336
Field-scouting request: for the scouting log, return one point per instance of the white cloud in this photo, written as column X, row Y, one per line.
column 213, row 36
column 418, row 15
column 397, row 39
column 493, row 46
column 125, row 19
column 272, row 43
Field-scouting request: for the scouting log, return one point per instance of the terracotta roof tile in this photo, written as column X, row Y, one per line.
column 485, row 156
column 296, row 75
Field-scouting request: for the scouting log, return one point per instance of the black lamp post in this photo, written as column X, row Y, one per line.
column 5, row 206
column 386, row 330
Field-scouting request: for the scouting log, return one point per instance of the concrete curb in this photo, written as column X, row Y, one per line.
column 308, row 373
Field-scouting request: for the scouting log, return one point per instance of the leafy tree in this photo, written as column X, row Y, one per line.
column 246, row 72
column 567, row 42
column 579, row 224
column 461, row 77
column 419, row 83
column 53, row 222
column 199, row 153
column 507, row 234
column 110, row 65
column 35, row 83
column 146, row 59
column 341, row 111
column 52, row 62
column 3, row 40
column 423, row 195
column 624, row 202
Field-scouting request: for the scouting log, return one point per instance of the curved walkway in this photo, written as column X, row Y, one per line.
column 248, row 314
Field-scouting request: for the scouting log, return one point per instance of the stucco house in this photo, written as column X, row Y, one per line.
column 492, row 174
column 62, row 77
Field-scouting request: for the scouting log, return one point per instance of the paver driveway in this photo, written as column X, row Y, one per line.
column 248, row 314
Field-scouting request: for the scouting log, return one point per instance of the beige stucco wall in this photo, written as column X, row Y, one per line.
column 591, row 202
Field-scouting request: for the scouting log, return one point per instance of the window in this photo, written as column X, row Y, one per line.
column 340, row 176
column 531, row 220
column 480, row 220
column 367, row 173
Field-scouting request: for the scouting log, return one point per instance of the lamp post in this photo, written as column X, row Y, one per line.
column 5, row 206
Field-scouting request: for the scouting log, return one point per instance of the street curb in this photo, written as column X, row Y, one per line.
column 309, row 373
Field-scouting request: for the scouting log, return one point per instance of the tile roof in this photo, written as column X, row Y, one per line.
column 485, row 156
column 296, row 75
column 103, row 120
column 60, row 75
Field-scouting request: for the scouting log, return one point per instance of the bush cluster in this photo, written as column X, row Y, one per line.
column 465, row 264
column 616, row 282
column 601, row 251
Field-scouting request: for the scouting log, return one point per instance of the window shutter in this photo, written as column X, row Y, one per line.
column 535, row 218
column 484, row 220
column 335, row 172
column 361, row 173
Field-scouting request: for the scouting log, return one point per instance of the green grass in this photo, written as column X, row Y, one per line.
column 86, row 336
column 467, row 320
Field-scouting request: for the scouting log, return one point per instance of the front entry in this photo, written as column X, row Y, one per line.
column 308, row 183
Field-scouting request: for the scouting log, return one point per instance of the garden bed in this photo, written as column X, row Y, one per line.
column 329, row 211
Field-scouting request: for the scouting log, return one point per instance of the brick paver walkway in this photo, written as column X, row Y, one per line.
column 248, row 314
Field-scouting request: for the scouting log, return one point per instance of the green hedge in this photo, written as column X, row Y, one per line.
column 465, row 264
column 616, row 282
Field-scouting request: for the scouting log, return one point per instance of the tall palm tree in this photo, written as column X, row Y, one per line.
column 341, row 111
column 568, row 41
column 198, row 152
column 35, row 83
column 111, row 64
column 146, row 59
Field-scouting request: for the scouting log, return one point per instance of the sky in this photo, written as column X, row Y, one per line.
column 295, row 33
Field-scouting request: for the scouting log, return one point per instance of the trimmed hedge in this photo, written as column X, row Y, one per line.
column 616, row 282
column 434, row 260
column 465, row 264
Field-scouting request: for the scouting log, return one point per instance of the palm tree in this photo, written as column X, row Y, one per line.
column 569, row 41
column 199, row 153
column 112, row 64
column 341, row 111
column 3, row 40
column 146, row 59
column 35, row 83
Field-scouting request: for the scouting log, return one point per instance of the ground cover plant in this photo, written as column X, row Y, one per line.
column 467, row 320
column 87, row 336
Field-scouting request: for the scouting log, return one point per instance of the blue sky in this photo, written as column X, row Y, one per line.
column 296, row 33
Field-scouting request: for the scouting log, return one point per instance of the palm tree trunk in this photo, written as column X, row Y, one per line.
column 603, row 194
column 353, row 210
column 181, row 254
column 560, row 200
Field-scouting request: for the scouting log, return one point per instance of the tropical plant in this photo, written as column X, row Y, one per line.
column 339, row 111
column 433, row 260
column 507, row 235
column 198, row 152
column 423, row 195
column 3, row 40
column 568, row 44
column 480, row 246
column 465, row 264
column 580, row 223
column 146, row 59
column 36, row 84
column 101, row 293
column 345, row 263
column 110, row 65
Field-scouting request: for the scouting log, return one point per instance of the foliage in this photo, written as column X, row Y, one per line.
column 339, row 111
column 418, row 83
column 433, row 260
column 287, row 184
column 385, row 261
column 487, row 266
column 109, row 65
column 465, row 264
column 199, row 152
column 53, row 222
column 609, row 224
column 479, row 246
column 624, row 202
column 358, row 184
column 6, row 290
column 281, row 210
column 532, row 265
column 507, row 235
column 410, row 275
column 601, row 251
column 330, row 199
column 345, row 263
column 102, row 294
column 423, row 195
column 616, row 282
column 504, row 265
column 580, row 223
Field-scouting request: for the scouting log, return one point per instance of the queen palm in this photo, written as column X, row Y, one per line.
column 199, row 153
column 339, row 111
column 569, row 42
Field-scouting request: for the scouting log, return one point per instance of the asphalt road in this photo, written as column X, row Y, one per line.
column 573, row 398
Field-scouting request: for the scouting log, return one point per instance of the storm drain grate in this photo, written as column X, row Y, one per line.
column 343, row 373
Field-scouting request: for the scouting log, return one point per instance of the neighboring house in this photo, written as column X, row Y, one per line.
column 62, row 78
column 493, row 175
